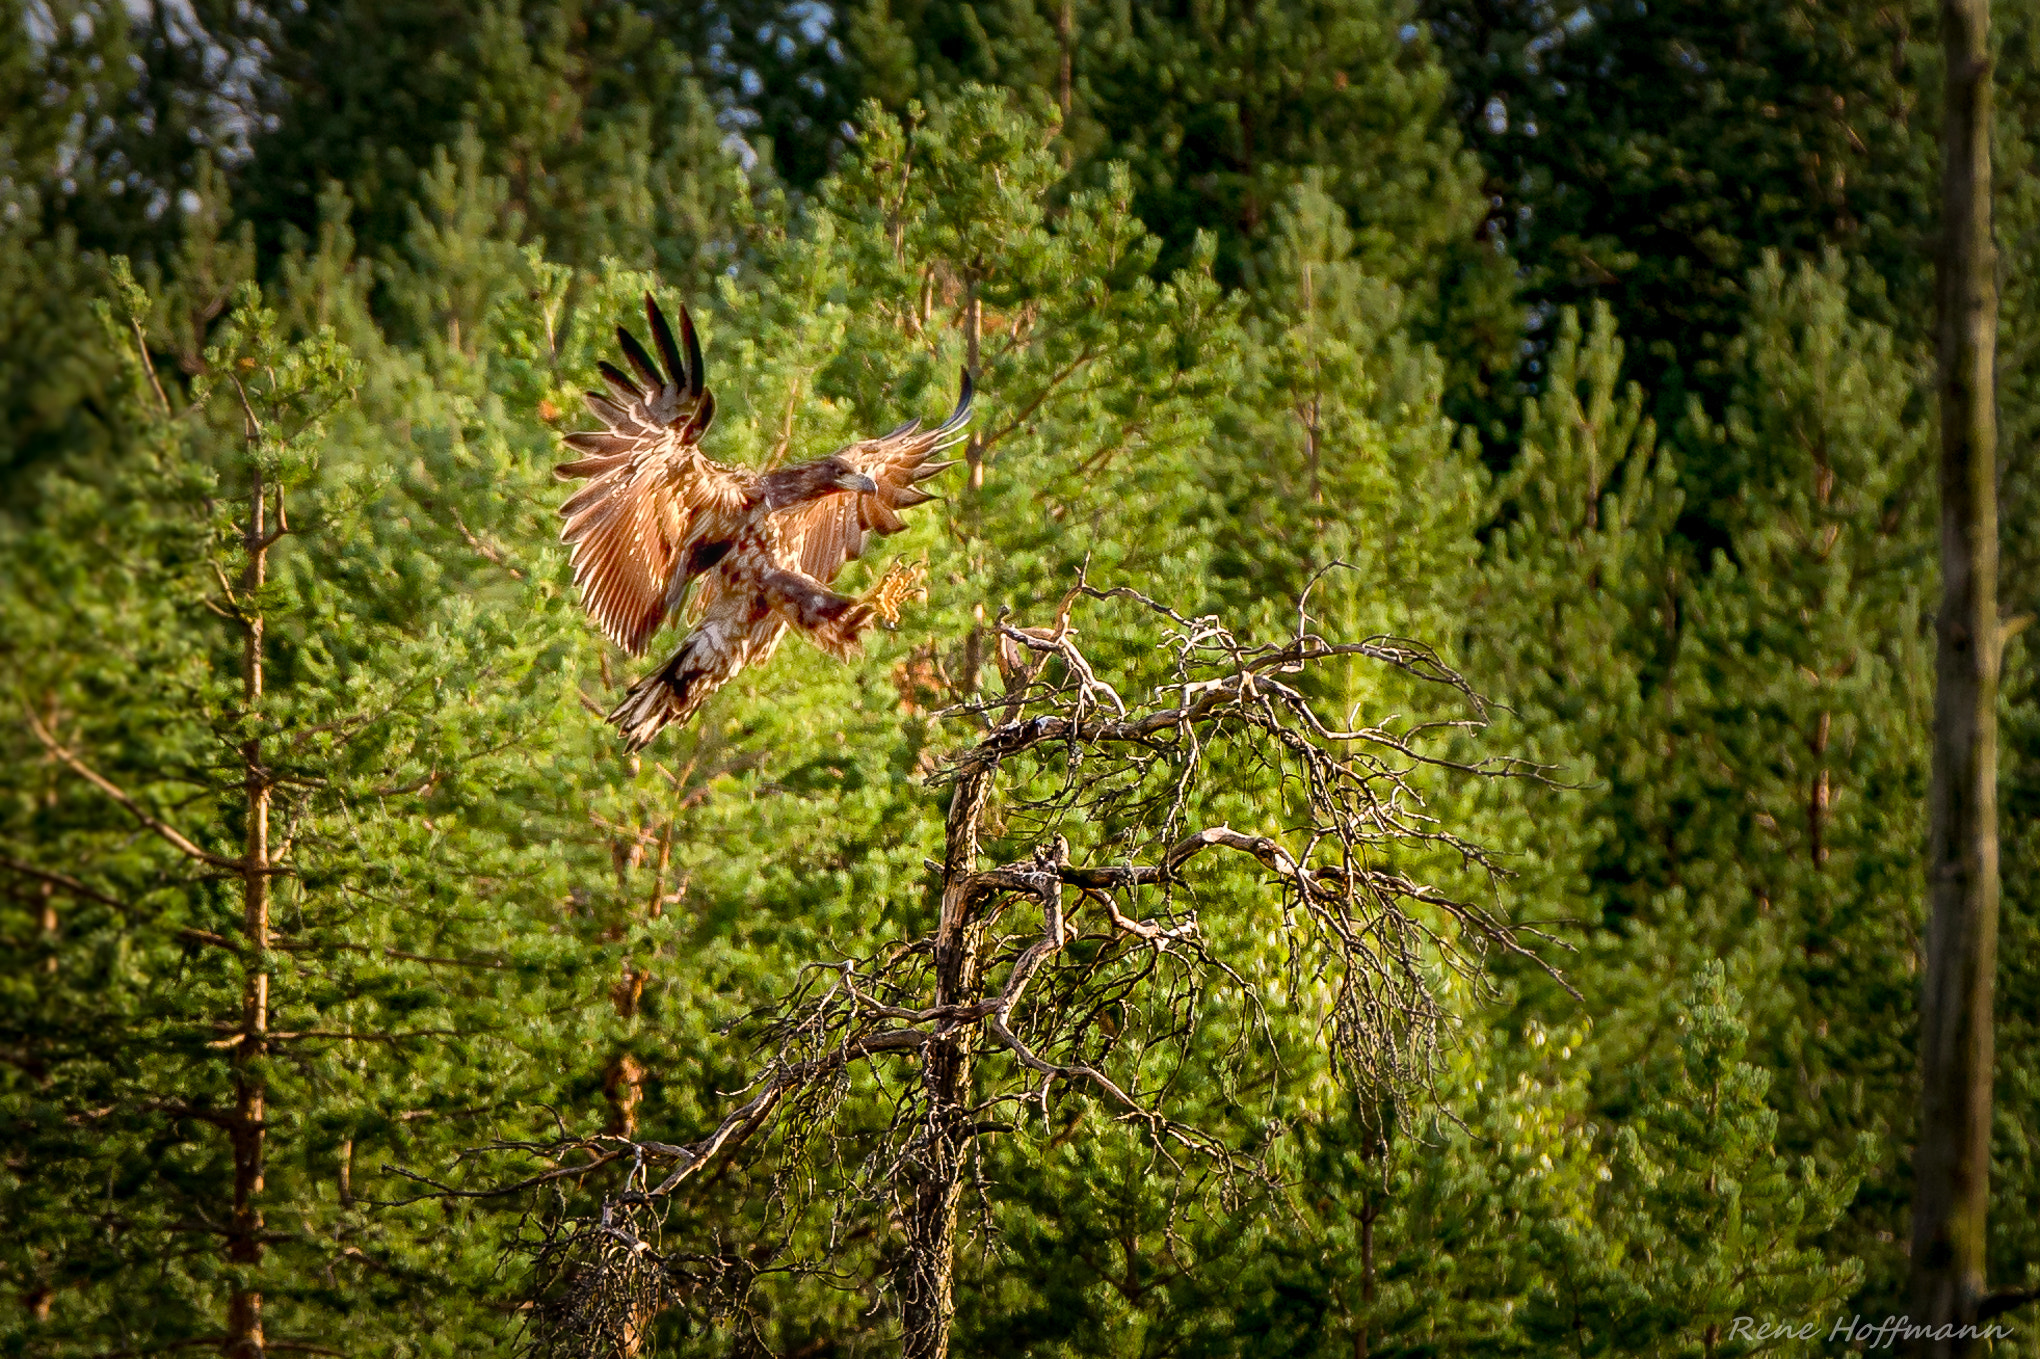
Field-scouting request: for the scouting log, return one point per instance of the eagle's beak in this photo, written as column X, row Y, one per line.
column 856, row 481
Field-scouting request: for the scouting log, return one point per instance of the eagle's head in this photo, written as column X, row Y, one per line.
column 844, row 477
column 814, row 480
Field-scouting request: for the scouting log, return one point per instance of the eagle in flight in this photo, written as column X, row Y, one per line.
column 757, row 549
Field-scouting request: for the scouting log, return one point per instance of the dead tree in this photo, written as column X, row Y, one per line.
column 1067, row 955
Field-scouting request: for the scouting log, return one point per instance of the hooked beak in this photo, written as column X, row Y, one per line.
column 856, row 481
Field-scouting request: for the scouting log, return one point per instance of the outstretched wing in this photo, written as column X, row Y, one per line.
column 650, row 491
column 833, row 530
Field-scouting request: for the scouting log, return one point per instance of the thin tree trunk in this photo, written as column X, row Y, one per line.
column 926, row 1276
column 244, row 1239
column 1951, row 1166
column 1065, row 39
column 48, row 923
column 1369, row 1210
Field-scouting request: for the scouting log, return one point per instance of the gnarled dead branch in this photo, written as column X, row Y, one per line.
column 1071, row 964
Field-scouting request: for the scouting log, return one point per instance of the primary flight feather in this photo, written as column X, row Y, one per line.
column 757, row 548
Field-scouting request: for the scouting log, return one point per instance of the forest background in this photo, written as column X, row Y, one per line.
column 1594, row 340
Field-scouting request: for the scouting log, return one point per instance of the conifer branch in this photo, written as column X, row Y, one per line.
column 283, row 528
column 63, row 880
column 149, row 364
column 169, row 833
column 1026, row 413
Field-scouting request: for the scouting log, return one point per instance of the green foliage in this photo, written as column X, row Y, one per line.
column 1647, row 156
column 1704, row 1219
column 1234, row 301
column 1527, row 1225
column 1217, row 113
column 1744, row 725
column 408, row 702
column 588, row 114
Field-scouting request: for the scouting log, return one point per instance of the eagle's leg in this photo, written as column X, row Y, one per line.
column 833, row 622
column 676, row 690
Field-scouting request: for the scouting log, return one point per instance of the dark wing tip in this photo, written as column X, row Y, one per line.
column 697, row 377
column 687, row 372
column 640, row 360
column 703, row 417
column 961, row 414
column 618, row 382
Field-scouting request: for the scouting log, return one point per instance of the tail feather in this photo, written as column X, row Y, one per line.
column 672, row 694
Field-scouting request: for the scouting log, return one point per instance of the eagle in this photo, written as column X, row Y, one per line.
column 756, row 549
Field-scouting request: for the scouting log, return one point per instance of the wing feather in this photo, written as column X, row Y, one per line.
column 641, row 361
column 618, row 418
column 620, row 386
column 650, row 492
column 601, row 444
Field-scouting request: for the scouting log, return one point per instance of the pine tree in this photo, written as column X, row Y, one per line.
column 593, row 118
column 276, row 774
column 1758, row 725
column 1821, row 698
column 1647, row 156
column 53, row 75
column 1218, row 112
column 1703, row 1219
column 703, row 875
column 1339, row 421
column 1715, row 639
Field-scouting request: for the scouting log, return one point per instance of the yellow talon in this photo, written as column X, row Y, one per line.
column 902, row 581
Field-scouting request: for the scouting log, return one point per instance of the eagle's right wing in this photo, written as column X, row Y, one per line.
column 834, row 530
column 650, row 491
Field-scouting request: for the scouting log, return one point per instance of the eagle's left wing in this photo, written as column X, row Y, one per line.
column 833, row 530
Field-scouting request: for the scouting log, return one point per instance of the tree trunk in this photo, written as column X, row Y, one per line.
column 244, row 1233
column 926, row 1275
column 1951, row 1166
column 1065, row 39
column 48, row 923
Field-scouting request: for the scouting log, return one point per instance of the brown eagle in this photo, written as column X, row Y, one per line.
column 758, row 548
